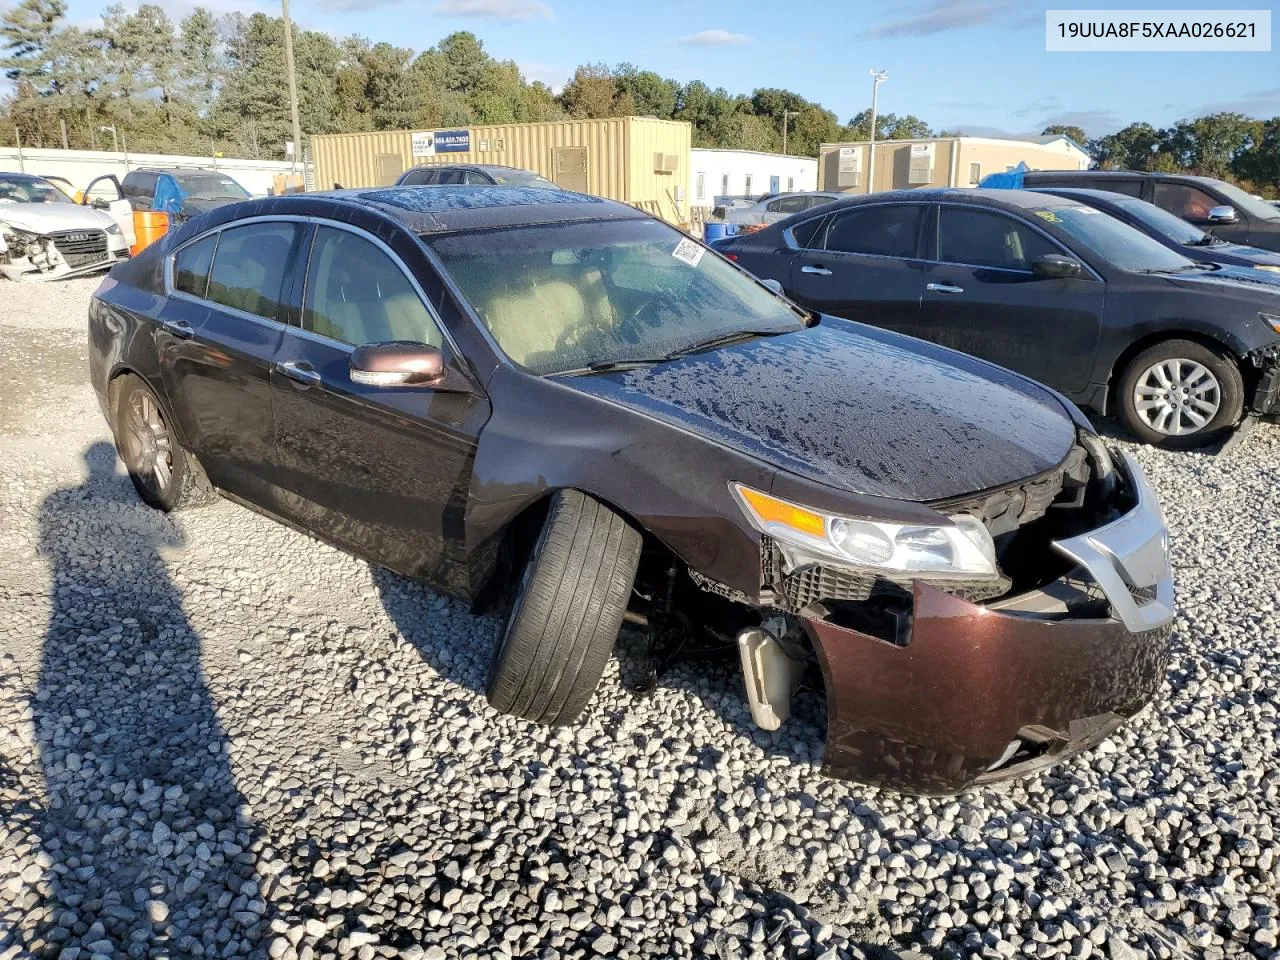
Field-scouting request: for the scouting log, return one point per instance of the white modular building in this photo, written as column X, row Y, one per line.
column 746, row 173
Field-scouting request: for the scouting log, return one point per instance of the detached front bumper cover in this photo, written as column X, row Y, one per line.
column 979, row 694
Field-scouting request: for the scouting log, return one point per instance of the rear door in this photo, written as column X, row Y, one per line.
column 981, row 297
column 220, row 330
column 383, row 471
column 862, row 265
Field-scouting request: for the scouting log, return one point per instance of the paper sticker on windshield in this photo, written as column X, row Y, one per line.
column 689, row 252
column 1048, row 215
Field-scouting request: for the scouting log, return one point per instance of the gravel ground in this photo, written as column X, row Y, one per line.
column 221, row 738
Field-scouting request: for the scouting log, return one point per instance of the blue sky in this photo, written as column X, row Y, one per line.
column 978, row 65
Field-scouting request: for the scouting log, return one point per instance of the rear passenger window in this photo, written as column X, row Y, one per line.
column 191, row 266
column 249, row 267
column 357, row 294
column 417, row 178
column 451, row 177
column 979, row 238
column 1130, row 188
column 886, row 230
column 804, row 233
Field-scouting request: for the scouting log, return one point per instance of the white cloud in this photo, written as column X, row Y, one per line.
column 553, row 76
column 941, row 16
column 507, row 10
column 714, row 38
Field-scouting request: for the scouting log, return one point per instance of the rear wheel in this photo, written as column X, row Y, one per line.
column 566, row 612
column 164, row 473
column 1180, row 393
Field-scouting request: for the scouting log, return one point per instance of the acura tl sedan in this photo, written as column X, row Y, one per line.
column 561, row 409
column 1048, row 286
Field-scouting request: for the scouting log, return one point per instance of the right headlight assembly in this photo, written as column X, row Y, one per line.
column 962, row 550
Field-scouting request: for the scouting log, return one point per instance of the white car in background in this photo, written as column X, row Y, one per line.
column 776, row 208
column 45, row 235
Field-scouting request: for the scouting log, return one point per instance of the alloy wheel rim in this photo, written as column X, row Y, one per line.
column 148, row 442
column 1177, row 397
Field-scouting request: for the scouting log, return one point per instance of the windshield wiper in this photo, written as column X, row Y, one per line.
column 631, row 363
column 609, row 366
column 722, row 340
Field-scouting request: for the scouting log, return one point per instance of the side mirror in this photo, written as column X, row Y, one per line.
column 397, row 363
column 99, row 204
column 1223, row 214
column 774, row 285
column 1054, row 266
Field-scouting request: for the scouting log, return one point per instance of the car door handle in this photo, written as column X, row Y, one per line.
column 943, row 288
column 178, row 328
column 819, row 271
column 299, row 371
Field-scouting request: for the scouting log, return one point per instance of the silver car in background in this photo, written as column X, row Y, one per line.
column 45, row 235
column 776, row 208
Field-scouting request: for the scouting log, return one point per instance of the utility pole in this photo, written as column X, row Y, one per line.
column 877, row 77
column 293, row 84
column 785, row 115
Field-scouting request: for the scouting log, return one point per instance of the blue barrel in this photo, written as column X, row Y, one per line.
column 718, row 231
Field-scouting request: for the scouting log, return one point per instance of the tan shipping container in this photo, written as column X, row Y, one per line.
column 638, row 160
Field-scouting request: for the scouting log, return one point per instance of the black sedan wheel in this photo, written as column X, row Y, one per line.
column 1180, row 393
column 566, row 613
column 165, row 475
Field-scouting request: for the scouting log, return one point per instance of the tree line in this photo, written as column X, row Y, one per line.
column 215, row 84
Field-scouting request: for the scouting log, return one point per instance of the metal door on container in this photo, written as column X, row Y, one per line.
column 381, row 470
column 216, row 338
column 390, row 166
column 569, row 168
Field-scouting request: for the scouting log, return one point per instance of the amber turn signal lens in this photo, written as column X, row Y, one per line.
column 772, row 510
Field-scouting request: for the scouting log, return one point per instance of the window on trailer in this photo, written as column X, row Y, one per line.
column 975, row 174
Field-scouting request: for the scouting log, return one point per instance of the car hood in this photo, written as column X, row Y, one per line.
column 865, row 411
column 1229, row 280
column 1252, row 254
column 48, row 217
column 193, row 207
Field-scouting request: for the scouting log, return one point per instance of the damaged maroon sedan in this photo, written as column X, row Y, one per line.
column 561, row 407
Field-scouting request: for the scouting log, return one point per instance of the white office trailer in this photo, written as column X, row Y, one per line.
column 746, row 173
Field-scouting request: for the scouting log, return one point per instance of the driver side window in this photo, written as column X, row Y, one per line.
column 1184, row 201
column 357, row 294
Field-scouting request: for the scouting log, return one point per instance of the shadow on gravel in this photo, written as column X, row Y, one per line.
column 146, row 849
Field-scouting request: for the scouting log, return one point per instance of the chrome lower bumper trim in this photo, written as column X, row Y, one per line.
column 1129, row 557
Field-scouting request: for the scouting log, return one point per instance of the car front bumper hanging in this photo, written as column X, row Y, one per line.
column 980, row 693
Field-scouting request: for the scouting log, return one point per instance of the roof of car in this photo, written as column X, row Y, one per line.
column 1085, row 193
column 448, row 208
column 1025, row 199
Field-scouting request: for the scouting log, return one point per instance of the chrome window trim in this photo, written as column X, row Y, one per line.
column 171, row 265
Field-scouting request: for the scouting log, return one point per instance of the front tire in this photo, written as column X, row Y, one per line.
column 1180, row 393
column 164, row 472
column 566, row 613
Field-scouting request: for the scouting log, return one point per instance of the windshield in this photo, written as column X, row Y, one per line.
column 1161, row 221
column 566, row 296
column 1246, row 201
column 30, row 190
column 1116, row 242
column 210, row 186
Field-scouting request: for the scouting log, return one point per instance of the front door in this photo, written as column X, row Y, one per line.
column 861, row 265
column 216, row 337
column 104, row 193
column 1193, row 205
column 981, row 297
column 383, row 471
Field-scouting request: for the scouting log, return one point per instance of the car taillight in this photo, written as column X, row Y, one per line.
column 731, row 256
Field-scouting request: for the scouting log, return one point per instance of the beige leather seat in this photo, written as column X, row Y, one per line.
column 536, row 320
